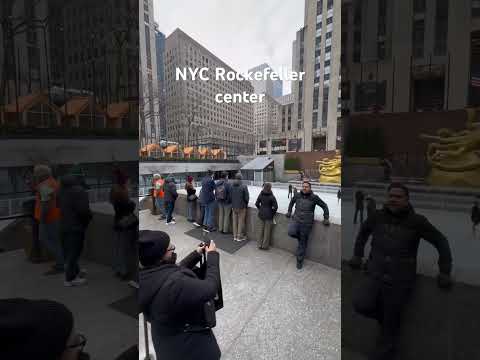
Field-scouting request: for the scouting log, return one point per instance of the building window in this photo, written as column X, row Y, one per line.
column 328, row 35
column 316, row 95
column 329, row 4
column 319, row 25
column 314, row 120
column 318, row 53
column 419, row 6
column 328, row 49
column 418, row 38
column 326, row 77
column 329, row 20
column 441, row 27
column 319, row 7
column 147, row 46
column 369, row 94
column 382, row 17
column 318, row 40
column 325, row 113
column 327, row 63
column 475, row 8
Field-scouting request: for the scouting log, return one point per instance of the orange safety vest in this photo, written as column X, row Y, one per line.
column 53, row 209
column 158, row 192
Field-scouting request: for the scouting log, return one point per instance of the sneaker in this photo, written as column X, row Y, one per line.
column 241, row 239
column 299, row 264
column 171, row 223
column 212, row 229
column 206, row 230
column 234, row 239
column 75, row 282
column 82, row 273
column 196, row 224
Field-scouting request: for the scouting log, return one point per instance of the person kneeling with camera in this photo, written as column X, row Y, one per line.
column 178, row 300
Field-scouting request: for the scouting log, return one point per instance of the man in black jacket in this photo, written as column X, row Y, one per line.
column 169, row 199
column 391, row 270
column 74, row 205
column 303, row 219
column 173, row 299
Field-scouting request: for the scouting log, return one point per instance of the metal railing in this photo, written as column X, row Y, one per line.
column 16, row 207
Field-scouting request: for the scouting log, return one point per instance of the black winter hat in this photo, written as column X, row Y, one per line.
column 152, row 246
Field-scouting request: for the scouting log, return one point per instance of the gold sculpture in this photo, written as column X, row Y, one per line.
column 454, row 157
column 331, row 169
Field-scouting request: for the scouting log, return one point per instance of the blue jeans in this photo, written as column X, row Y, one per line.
column 208, row 218
column 170, row 205
column 73, row 240
column 191, row 210
column 304, row 231
column 160, row 205
column 49, row 236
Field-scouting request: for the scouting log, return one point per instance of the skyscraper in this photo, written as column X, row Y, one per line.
column 149, row 102
column 160, row 48
column 316, row 51
column 274, row 88
column 193, row 115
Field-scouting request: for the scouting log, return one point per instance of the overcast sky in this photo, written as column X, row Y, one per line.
column 243, row 33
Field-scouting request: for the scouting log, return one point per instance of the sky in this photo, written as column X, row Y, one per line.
column 243, row 34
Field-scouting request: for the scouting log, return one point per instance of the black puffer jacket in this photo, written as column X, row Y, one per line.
column 74, row 204
column 395, row 240
column 267, row 205
column 170, row 190
column 171, row 296
column 305, row 207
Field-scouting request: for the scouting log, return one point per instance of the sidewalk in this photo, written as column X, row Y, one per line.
column 108, row 331
column 272, row 310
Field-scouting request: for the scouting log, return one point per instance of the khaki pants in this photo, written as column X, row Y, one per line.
column 224, row 211
column 264, row 233
column 239, row 216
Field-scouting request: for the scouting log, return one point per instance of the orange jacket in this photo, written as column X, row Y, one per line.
column 158, row 188
column 53, row 209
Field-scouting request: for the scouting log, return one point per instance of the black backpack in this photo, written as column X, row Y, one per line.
column 221, row 192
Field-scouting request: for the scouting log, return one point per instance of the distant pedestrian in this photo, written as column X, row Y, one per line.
column 207, row 199
column 170, row 197
column 223, row 196
column 76, row 215
column 47, row 214
column 240, row 199
column 475, row 217
column 339, row 196
column 125, row 224
column 295, row 191
column 267, row 208
column 290, row 191
column 371, row 206
column 359, row 205
column 301, row 227
column 191, row 199
column 159, row 194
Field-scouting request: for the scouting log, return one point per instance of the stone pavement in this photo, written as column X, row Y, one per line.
column 272, row 310
column 108, row 331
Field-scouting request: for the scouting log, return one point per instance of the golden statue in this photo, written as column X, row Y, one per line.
column 331, row 169
column 454, row 157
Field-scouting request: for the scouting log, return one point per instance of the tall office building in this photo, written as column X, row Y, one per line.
column 403, row 58
column 266, row 114
column 149, row 102
column 274, row 88
column 193, row 115
column 316, row 51
column 160, row 47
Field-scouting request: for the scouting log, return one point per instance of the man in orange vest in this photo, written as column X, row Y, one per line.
column 159, row 194
column 47, row 213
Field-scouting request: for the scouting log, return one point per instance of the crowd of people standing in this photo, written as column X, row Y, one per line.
column 229, row 200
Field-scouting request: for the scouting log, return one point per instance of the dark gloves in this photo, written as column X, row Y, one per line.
column 444, row 281
column 355, row 262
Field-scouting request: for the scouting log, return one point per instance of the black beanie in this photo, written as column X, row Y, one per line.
column 152, row 246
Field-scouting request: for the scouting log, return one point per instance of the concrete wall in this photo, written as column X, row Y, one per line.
column 324, row 245
column 100, row 242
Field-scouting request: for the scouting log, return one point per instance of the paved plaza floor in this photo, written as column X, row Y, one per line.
column 271, row 309
column 109, row 332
